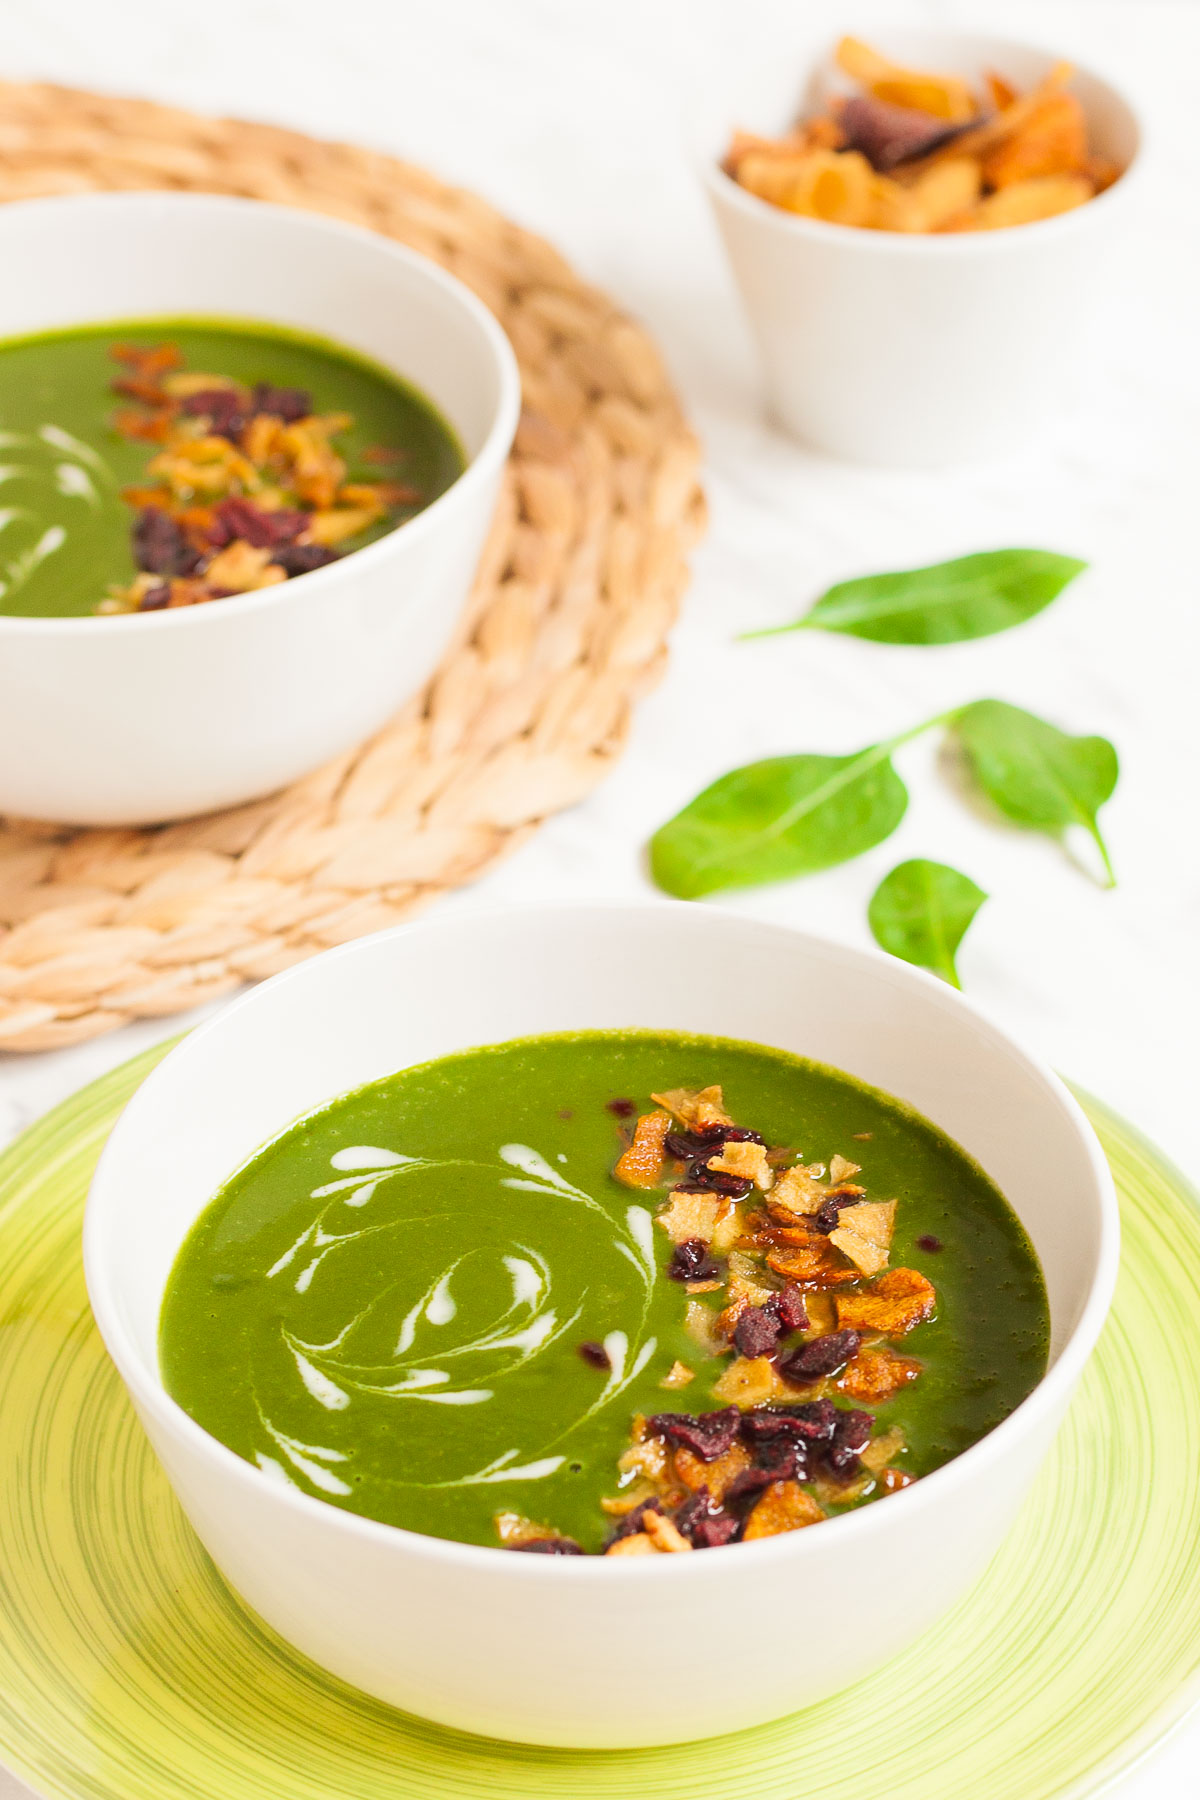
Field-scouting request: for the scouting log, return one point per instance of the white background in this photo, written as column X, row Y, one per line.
column 567, row 115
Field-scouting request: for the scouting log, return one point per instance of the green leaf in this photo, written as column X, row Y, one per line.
column 970, row 597
column 789, row 815
column 1035, row 774
column 920, row 913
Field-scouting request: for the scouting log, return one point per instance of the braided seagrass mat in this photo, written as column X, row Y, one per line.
column 565, row 629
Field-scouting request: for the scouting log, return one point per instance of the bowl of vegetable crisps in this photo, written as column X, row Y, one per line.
column 250, row 455
column 919, row 228
column 601, row 1324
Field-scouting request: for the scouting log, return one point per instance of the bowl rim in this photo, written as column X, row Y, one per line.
column 724, row 190
column 477, row 469
column 1042, row 1403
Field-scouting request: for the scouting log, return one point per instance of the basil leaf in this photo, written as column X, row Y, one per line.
column 946, row 603
column 789, row 815
column 1036, row 774
column 920, row 913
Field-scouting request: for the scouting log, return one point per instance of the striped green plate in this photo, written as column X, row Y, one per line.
column 128, row 1672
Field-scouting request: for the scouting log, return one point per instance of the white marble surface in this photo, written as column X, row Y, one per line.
column 565, row 114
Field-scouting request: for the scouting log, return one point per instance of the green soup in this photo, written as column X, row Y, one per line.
column 386, row 1306
column 71, row 474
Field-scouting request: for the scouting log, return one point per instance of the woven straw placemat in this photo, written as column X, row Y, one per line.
column 565, row 628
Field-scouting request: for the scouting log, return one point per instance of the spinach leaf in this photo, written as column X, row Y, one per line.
column 789, row 815
column 1036, row 774
column 920, row 913
column 970, row 597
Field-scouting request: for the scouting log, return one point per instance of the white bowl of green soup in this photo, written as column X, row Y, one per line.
column 248, row 458
column 605, row 1324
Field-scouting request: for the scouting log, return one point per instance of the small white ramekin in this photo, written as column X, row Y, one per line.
column 588, row 1651
column 916, row 350
column 139, row 718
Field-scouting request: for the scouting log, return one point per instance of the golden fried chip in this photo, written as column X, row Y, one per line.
column 784, row 1506
column 880, row 1451
column 646, row 1458
column 1052, row 140
column 730, row 1225
column 981, row 138
column 892, row 1305
column 513, row 1528
column 787, row 148
column 642, row 1164
column 1002, row 93
column 749, row 1380
column 746, row 1266
column 798, row 1190
column 636, row 1544
column 950, row 185
column 864, row 1234
column 812, row 1267
column 618, row 1505
column 821, row 1307
column 717, row 1475
column 260, row 437
column 690, row 1216
column 863, row 64
column 843, row 1493
column 945, row 96
column 695, row 1109
column 838, row 187
column 835, row 185
column 701, row 1324
column 663, row 1533
column 776, row 179
column 1025, row 203
column 240, row 567
column 874, row 1376
column 749, row 1161
column 824, row 133
column 801, row 1253
column 942, row 96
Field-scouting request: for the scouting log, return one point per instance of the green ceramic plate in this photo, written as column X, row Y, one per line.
column 128, row 1672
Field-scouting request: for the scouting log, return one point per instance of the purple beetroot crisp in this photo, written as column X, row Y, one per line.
column 707, row 1435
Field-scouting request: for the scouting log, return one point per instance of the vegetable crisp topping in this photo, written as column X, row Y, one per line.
column 802, row 1328
column 247, row 487
column 873, row 1376
column 707, row 1107
column 866, row 1235
column 746, row 1160
column 922, row 151
column 891, row 1306
column 784, row 1506
column 691, row 1217
column 642, row 1164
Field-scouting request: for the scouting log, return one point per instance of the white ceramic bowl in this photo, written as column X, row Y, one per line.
column 588, row 1651
column 906, row 349
column 140, row 718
